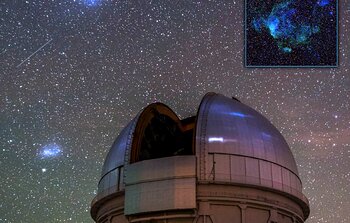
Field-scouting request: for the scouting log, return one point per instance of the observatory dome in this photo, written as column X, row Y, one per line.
column 225, row 161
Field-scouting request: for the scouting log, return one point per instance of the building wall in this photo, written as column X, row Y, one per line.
column 215, row 204
column 166, row 190
column 220, row 214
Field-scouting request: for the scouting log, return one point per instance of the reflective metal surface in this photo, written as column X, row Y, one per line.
column 235, row 143
column 234, row 128
column 172, row 178
column 160, row 167
column 112, row 171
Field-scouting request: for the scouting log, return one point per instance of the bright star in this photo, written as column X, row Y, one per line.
column 43, row 170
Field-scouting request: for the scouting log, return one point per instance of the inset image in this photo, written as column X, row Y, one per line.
column 291, row 33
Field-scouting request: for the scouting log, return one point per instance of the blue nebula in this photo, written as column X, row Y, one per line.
column 273, row 23
column 50, row 151
column 91, row 2
column 280, row 21
column 323, row 2
column 286, row 49
column 258, row 24
column 290, row 24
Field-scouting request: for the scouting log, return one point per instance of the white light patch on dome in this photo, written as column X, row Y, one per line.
column 50, row 151
column 216, row 139
column 266, row 135
column 239, row 114
column 220, row 139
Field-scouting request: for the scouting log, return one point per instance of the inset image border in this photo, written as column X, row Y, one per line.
column 291, row 33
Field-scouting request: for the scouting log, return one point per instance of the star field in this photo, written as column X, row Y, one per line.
column 74, row 73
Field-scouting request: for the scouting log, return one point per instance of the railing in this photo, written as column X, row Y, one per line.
column 222, row 178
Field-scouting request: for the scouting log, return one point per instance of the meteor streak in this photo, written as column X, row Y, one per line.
column 34, row 53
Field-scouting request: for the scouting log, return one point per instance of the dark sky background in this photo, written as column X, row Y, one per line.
column 74, row 72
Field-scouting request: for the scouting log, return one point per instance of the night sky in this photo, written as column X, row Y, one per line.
column 75, row 72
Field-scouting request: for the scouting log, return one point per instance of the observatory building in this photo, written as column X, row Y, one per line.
column 227, row 164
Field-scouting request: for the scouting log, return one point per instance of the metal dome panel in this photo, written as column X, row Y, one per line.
column 127, row 147
column 113, row 166
column 236, row 144
column 234, row 155
column 227, row 126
